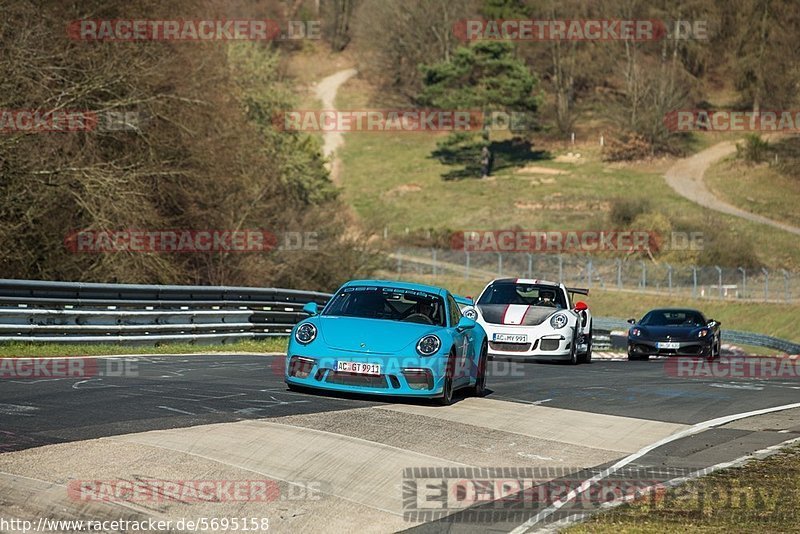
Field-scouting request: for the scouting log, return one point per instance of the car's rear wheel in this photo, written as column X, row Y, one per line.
column 587, row 356
column 447, row 389
column 479, row 389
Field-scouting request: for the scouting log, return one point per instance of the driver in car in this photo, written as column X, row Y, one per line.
column 547, row 298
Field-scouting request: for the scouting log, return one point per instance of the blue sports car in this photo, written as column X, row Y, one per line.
column 388, row 338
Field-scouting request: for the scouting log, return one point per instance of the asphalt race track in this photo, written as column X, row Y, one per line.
column 345, row 462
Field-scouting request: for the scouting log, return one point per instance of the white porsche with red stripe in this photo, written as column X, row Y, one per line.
column 534, row 319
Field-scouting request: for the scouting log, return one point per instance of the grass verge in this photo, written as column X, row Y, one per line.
column 760, row 496
column 46, row 350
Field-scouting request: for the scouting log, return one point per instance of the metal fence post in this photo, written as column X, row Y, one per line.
column 694, row 281
column 785, row 284
column 530, row 265
column 433, row 259
column 589, row 273
column 719, row 274
column 744, row 282
column 399, row 263
column 619, row 274
column 669, row 277
column 644, row 275
column 560, row 269
column 766, row 284
column 499, row 264
column 466, row 265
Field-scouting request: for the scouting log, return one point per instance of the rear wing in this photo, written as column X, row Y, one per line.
column 577, row 290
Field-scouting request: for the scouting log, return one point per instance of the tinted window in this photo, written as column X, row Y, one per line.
column 392, row 304
column 455, row 310
column 529, row 294
column 673, row 318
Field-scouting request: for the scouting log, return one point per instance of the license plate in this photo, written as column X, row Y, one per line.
column 358, row 368
column 668, row 345
column 510, row 338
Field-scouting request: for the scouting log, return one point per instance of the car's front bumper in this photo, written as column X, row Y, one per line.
column 642, row 347
column 546, row 347
column 400, row 376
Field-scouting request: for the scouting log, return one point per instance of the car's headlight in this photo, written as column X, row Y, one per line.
column 702, row 333
column 470, row 313
column 305, row 333
column 559, row 320
column 428, row 345
column 636, row 332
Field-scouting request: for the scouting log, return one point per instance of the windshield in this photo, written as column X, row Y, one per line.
column 526, row 294
column 673, row 318
column 389, row 303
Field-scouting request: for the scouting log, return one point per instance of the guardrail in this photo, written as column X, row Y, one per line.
column 69, row 312
column 73, row 312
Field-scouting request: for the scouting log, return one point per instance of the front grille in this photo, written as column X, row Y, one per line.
column 510, row 347
column 352, row 379
column 549, row 344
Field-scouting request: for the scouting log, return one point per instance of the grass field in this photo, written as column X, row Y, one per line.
column 760, row 496
column 765, row 188
column 393, row 183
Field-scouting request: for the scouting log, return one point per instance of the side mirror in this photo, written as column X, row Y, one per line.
column 581, row 306
column 311, row 308
column 465, row 323
column 631, row 321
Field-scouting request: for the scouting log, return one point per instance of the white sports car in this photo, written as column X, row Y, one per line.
column 534, row 319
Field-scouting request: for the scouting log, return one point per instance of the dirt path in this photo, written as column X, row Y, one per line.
column 326, row 91
column 686, row 178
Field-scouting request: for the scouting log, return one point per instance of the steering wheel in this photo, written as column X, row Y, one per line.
column 415, row 318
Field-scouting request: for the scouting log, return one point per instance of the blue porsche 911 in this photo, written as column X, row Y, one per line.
column 388, row 338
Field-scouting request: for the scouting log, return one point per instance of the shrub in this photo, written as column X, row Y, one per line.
column 625, row 210
column 753, row 149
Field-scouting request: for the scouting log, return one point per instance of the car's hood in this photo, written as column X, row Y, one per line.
column 516, row 314
column 676, row 333
column 370, row 335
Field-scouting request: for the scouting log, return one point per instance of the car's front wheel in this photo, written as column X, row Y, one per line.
column 573, row 353
column 634, row 357
column 479, row 389
column 447, row 389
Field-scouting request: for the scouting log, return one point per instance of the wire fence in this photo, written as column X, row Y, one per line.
column 712, row 282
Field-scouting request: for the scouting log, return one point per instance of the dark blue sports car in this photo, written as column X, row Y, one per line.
column 673, row 332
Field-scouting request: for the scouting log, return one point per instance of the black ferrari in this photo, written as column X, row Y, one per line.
column 673, row 332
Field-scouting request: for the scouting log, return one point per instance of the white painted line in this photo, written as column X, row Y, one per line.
column 694, row 429
column 760, row 454
column 737, row 386
column 175, row 410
